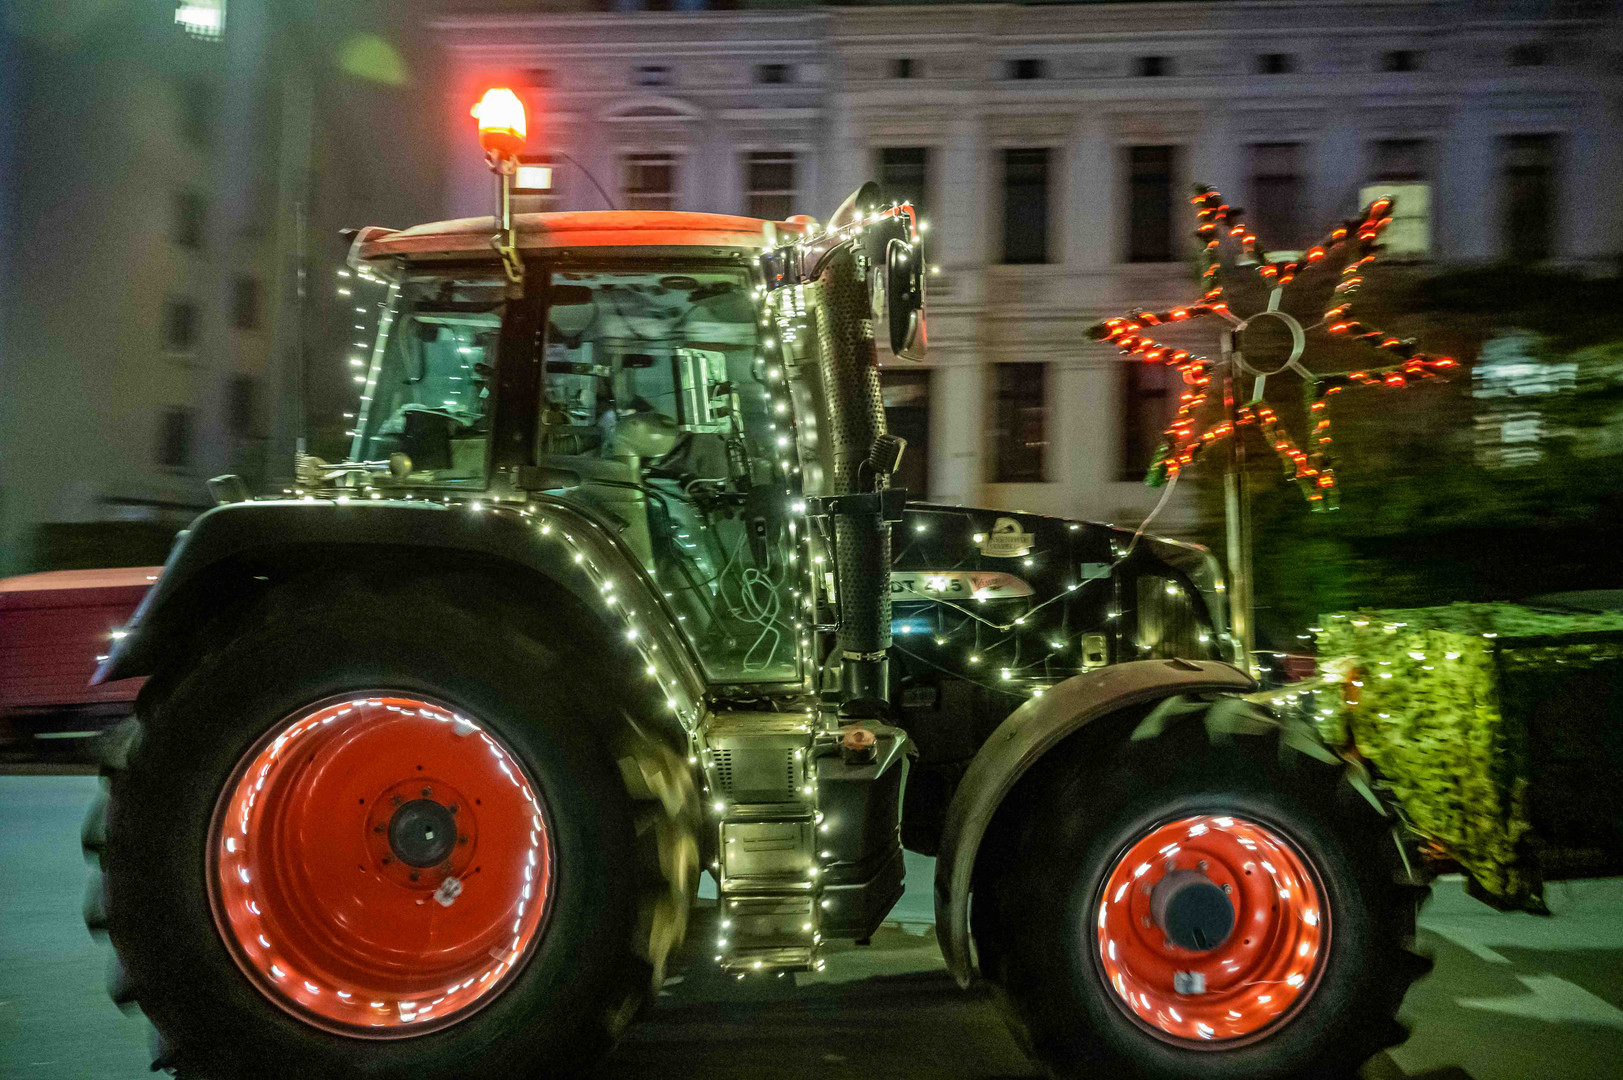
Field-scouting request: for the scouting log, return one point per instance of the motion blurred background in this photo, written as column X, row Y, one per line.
column 175, row 176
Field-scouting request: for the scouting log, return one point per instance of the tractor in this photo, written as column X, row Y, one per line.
column 614, row 590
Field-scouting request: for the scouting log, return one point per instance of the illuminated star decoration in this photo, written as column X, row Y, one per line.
column 1356, row 239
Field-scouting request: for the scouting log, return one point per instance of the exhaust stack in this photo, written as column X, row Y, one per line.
column 865, row 261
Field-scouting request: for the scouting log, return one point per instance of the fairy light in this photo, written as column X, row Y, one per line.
column 1356, row 242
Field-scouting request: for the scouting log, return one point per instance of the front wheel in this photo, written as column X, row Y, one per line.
column 382, row 833
column 1204, row 902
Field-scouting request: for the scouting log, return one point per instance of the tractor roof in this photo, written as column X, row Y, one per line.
column 580, row 229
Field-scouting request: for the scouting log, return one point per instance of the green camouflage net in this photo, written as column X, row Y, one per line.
column 1431, row 714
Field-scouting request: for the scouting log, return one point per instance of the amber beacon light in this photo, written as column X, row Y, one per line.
column 501, row 122
column 501, row 133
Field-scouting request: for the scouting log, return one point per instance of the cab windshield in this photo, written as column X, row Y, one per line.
column 658, row 410
column 426, row 393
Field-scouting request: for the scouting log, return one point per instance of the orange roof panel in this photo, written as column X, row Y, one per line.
column 582, row 229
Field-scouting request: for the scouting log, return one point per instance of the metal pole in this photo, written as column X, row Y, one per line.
column 1236, row 519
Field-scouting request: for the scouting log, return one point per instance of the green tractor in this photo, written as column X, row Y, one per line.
column 613, row 590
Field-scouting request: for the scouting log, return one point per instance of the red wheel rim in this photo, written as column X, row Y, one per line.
column 340, row 890
column 1264, row 970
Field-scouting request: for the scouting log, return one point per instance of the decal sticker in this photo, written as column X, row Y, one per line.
column 1006, row 540
column 956, row 585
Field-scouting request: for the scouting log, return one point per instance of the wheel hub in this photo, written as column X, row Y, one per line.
column 380, row 866
column 1193, row 910
column 1210, row 929
column 422, row 833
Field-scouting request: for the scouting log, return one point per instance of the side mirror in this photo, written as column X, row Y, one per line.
column 904, row 299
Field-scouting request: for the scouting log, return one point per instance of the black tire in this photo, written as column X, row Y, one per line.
column 625, row 861
column 1080, row 811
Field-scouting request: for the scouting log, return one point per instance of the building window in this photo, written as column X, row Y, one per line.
column 1401, row 168
column 1027, row 68
column 1528, row 179
column 197, row 112
column 1276, row 63
column 1149, row 203
column 245, row 302
column 186, row 228
column 770, row 184
column 774, row 74
column 1530, row 55
column 175, row 439
column 1152, row 66
column 538, row 78
column 202, row 19
column 179, row 326
column 650, row 181
column 1400, row 60
column 1025, row 205
column 1276, row 194
column 904, row 173
column 901, row 67
column 1144, row 416
column 243, row 408
column 906, row 394
column 651, row 75
column 1020, row 433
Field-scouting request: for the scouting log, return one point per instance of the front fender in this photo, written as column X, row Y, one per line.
column 1031, row 731
column 217, row 563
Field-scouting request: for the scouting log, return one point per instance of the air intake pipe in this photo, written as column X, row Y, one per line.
column 848, row 366
column 846, row 454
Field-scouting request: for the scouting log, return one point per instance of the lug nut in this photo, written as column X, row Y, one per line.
column 1201, row 866
column 427, row 791
column 387, row 860
column 377, row 828
column 1228, row 888
column 462, row 839
column 396, row 800
column 415, row 875
column 452, row 808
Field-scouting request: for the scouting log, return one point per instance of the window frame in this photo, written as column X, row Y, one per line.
column 247, row 298
column 173, row 306
column 752, row 192
column 1289, row 233
column 1130, row 250
column 188, row 224
column 1044, row 254
column 925, row 197
column 1003, row 433
column 1134, row 398
column 631, row 195
column 1552, row 169
column 170, row 436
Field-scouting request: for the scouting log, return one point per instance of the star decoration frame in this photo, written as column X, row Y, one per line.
column 1357, row 242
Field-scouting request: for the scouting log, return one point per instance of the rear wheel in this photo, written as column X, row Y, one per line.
column 383, row 834
column 1218, row 900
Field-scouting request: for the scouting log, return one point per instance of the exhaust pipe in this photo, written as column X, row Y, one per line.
column 847, row 457
column 848, row 368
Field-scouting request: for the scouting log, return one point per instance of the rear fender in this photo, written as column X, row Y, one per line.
column 233, row 554
column 1030, row 732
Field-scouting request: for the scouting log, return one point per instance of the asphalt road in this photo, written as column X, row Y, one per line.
column 1514, row 997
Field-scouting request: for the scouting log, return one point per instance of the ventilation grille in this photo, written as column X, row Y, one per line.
column 757, row 776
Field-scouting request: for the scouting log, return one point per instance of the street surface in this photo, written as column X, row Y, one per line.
column 1514, row 997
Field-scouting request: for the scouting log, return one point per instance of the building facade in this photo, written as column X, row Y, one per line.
column 1051, row 148
column 173, row 176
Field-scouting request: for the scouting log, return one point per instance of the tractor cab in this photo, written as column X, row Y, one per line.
column 638, row 378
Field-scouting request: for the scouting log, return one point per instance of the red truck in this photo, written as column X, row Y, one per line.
column 54, row 629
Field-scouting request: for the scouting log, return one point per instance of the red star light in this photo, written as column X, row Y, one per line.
column 1355, row 243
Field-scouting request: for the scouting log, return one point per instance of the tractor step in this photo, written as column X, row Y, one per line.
column 767, row 867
